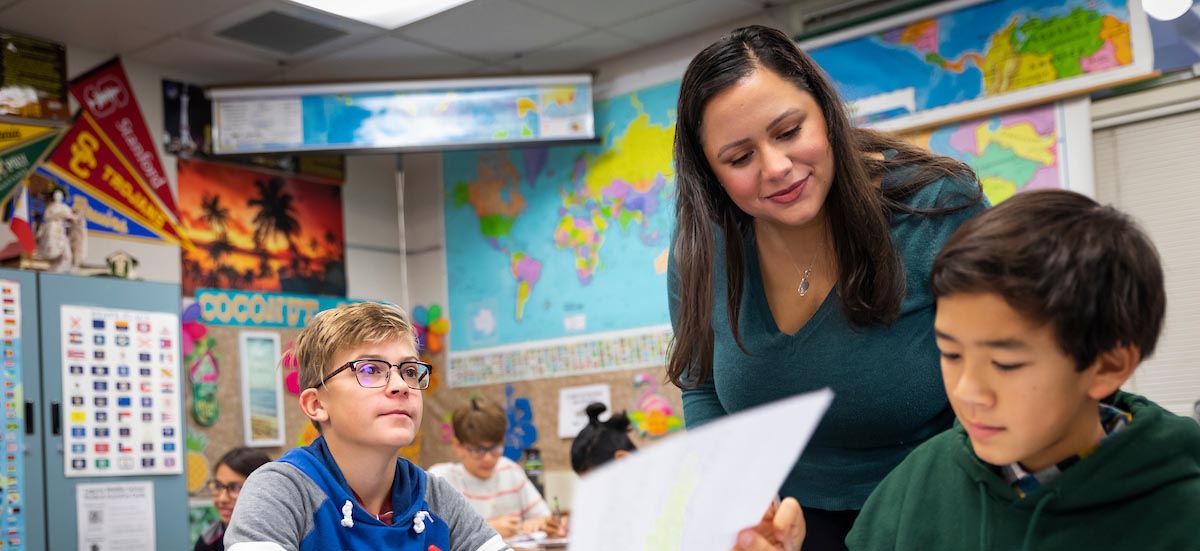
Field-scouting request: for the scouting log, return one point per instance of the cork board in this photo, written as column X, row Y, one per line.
column 227, row 432
column 543, row 395
column 433, row 440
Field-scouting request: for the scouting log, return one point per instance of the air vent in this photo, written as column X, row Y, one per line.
column 280, row 32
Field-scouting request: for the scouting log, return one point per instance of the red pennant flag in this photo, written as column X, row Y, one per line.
column 105, row 94
column 90, row 160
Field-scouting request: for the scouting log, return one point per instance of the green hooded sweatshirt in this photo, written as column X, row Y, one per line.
column 1140, row 491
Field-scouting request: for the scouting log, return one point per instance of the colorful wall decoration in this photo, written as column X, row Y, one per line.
column 261, row 230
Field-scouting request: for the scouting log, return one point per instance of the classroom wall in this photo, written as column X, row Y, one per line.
column 370, row 198
column 424, row 232
column 424, row 197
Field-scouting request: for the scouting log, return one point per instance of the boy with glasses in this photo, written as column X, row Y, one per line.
column 496, row 487
column 348, row 489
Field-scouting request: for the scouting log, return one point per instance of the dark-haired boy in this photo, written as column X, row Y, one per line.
column 1045, row 306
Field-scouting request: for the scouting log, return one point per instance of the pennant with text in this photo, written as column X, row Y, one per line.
column 88, row 159
column 17, row 160
column 105, row 94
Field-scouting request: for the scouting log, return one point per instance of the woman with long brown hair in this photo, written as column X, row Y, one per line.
column 800, row 261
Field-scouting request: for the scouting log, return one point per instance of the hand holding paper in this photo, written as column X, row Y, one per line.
column 699, row 490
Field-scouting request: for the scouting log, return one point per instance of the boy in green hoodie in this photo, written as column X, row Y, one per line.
column 1045, row 305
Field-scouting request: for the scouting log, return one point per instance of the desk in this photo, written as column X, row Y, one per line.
column 525, row 544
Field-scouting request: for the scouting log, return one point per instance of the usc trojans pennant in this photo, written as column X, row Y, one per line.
column 88, row 159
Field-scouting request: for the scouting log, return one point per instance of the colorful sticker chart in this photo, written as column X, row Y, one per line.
column 121, row 392
column 12, row 463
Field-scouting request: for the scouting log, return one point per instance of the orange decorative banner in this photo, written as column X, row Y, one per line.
column 105, row 94
column 88, row 159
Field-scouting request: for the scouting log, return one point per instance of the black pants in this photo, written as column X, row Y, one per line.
column 827, row 529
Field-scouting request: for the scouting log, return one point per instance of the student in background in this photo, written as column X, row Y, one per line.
column 496, row 487
column 799, row 261
column 226, row 484
column 1045, row 306
column 348, row 490
column 600, row 441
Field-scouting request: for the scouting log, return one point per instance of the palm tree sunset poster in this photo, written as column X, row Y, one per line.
column 260, row 230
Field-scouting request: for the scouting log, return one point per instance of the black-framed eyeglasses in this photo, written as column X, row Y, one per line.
column 234, row 488
column 377, row 373
column 479, row 451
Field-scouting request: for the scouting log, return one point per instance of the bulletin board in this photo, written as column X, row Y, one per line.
column 631, row 390
column 228, row 432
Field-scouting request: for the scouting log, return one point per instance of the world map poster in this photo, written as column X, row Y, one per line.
column 547, row 243
column 955, row 59
column 1041, row 147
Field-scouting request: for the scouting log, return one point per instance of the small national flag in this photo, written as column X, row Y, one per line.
column 20, row 221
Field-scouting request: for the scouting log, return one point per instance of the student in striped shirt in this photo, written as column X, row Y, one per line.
column 495, row 486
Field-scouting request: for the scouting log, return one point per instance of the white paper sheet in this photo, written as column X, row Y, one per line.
column 572, row 407
column 115, row 517
column 695, row 491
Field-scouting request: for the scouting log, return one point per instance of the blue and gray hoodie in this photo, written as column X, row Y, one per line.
column 302, row 502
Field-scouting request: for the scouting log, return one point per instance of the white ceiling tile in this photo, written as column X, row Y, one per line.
column 84, row 26
column 492, row 29
column 598, row 14
column 214, row 64
column 684, row 19
column 382, row 58
column 170, row 16
column 574, row 55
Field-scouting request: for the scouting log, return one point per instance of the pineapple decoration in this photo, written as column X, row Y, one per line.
column 197, row 464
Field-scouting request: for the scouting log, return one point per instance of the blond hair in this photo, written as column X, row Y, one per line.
column 345, row 327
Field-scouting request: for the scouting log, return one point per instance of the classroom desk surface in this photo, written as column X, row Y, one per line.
column 527, row 544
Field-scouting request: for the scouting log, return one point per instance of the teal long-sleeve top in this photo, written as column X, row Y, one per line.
column 889, row 396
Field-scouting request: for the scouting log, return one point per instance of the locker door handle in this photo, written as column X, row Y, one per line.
column 29, row 409
column 55, row 418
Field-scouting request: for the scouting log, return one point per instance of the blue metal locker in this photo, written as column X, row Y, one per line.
column 170, row 491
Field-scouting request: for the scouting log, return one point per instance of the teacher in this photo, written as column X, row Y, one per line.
column 801, row 260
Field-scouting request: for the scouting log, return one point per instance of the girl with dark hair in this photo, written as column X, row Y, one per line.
column 226, row 484
column 801, row 260
column 600, row 441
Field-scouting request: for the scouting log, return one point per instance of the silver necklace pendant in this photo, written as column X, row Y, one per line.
column 803, row 288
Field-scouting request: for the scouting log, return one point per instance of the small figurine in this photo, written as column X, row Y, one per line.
column 53, row 240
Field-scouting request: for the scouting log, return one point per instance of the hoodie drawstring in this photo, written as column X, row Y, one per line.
column 1037, row 514
column 983, row 519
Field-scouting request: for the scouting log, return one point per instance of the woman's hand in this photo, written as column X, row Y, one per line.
column 781, row 529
